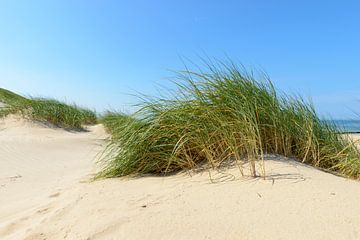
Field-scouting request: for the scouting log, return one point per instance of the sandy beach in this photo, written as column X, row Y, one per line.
column 191, row 120
column 37, row 165
column 46, row 193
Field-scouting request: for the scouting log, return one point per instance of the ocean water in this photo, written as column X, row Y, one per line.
column 351, row 126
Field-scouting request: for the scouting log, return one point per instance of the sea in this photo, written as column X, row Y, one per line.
column 347, row 126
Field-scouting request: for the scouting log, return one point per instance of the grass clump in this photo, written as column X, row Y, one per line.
column 114, row 121
column 221, row 114
column 60, row 114
column 8, row 97
column 11, row 102
column 49, row 111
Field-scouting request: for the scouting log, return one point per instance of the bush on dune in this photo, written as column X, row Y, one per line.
column 219, row 115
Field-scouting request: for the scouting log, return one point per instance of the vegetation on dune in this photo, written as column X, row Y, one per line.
column 11, row 101
column 218, row 115
column 46, row 110
column 60, row 114
column 9, row 97
column 113, row 121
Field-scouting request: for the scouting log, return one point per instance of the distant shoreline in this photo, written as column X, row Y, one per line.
column 346, row 126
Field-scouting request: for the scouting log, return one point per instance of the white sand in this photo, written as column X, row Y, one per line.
column 356, row 137
column 44, row 195
column 38, row 164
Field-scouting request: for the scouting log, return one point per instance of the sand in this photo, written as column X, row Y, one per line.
column 356, row 137
column 45, row 193
column 38, row 164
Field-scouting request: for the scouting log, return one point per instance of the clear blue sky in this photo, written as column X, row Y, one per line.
column 96, row 53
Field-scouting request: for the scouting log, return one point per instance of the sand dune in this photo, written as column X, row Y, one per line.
column 45, row 194
column 37, row 164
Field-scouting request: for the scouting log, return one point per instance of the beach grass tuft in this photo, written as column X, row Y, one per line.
column 45, row 110
column 8, row 97
column 114, row 121
column 219, row 114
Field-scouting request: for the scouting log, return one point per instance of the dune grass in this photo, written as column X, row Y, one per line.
column 114, row 121
column 223, row 114
column 9, row 97
column 60, row 114
column 49, row 111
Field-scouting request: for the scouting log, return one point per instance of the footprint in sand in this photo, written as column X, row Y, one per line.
column 54, row 195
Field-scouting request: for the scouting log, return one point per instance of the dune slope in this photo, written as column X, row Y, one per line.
column 45, row 194
column 37, row 164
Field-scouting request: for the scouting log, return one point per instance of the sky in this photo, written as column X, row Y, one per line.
column 99, row 53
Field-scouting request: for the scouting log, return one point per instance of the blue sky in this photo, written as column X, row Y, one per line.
column 98, row 53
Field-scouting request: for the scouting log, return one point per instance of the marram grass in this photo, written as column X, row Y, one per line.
column 49, row 111
column 60, row 114
column 219, row 115
column 9, row 97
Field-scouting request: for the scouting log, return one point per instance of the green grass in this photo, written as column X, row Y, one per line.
column 60, row 114
column 46, row 110
column 9, row 97
column 112, row 121
column 223, row 114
